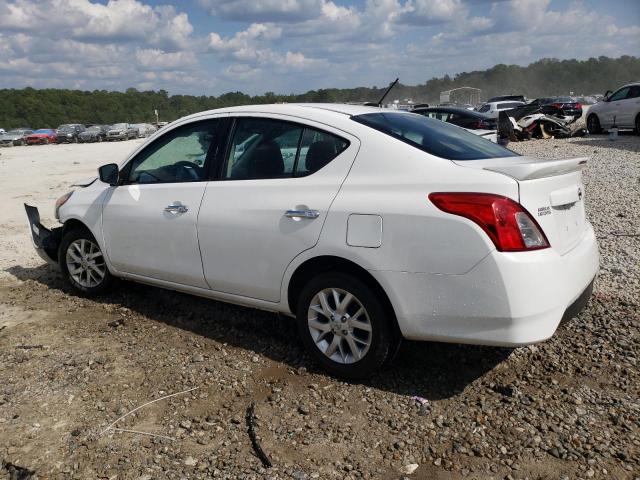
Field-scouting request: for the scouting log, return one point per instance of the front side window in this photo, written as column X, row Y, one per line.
column 178, row 156
column 484, row 108
column 619, row 95
column 263, row 148
column 436, row 138
column 634, row 91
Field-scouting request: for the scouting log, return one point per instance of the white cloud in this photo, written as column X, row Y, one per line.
column 289, row 45
column 118, row 21
column 264, row 10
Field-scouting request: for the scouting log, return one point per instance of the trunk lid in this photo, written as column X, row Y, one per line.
column 552, row 192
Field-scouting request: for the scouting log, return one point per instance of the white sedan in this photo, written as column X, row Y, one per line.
column 367, row 225
column 620, row 109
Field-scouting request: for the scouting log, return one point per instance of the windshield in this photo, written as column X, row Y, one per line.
column 433, row 136
column 15, row 132
column 42, row 130
column 119, row 126
column 94, row 129
column 564, row 100
column 65, row 127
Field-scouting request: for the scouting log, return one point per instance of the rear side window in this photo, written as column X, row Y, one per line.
column 484, row 108
column 317, row 149
column 432, row 136
column 263, row 148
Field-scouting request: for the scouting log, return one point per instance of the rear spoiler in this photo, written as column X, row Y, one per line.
column 527, row 168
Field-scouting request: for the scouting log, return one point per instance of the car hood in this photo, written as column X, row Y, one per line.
column 85, row 182
column 38, row 135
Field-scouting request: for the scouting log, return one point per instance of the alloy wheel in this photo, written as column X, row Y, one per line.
column 339, row 325
column 85, row 263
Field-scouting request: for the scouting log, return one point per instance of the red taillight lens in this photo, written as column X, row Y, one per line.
column 510, row 227
column 557, row 105
column 579, row 106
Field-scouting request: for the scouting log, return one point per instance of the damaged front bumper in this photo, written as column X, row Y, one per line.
column 45, row 241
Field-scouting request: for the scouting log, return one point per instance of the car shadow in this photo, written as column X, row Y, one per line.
column 627, row 140
column 427, row 369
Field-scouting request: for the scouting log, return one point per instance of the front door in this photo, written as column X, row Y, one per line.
column 149, row 221
column 276, row 185
column 613, row 110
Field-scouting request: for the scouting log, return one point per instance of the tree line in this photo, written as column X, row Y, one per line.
column 48, row 108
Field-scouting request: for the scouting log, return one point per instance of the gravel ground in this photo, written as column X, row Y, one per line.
column 568, row 408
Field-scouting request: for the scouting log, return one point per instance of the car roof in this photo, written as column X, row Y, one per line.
column 338, row 108
column 332, row 114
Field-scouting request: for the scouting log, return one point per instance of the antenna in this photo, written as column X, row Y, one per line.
column 393, row 84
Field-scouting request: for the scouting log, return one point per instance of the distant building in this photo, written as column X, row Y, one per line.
column 461, row 95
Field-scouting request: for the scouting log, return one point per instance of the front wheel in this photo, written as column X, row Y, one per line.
column 82, row 263
column 344, row 325
column 593, row 124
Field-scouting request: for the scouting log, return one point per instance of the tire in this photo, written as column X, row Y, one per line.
column 46, row 141
column 82, row 263
column 593, row 124
column 332, row 342
column 638, row 124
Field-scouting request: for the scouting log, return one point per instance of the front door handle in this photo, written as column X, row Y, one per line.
column 302, row 213
column 176, row 208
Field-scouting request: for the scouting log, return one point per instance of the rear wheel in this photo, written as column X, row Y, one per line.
column 344, row 325
column 82, row 263
column 593, row 124
column 638, row 124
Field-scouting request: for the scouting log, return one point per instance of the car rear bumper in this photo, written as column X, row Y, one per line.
column 507, row 299
column 45, row 241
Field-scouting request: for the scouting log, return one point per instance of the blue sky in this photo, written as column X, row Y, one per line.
column 208, row 47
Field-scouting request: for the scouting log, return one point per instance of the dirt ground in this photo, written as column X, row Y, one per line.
column 69, row 367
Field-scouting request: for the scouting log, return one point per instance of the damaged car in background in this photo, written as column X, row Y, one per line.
column 478, row 123
column 94, row 133
column 69, row 133
column 314, row 211
column 14, row 137
column 121, row 131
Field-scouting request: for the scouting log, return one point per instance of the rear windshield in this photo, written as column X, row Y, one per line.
column 504, row 106
column 433, row 136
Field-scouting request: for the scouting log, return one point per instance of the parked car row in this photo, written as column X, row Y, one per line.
column 75, row 133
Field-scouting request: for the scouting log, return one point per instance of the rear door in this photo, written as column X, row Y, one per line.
column 149, row 222
column 631, row 106
column 276, row 184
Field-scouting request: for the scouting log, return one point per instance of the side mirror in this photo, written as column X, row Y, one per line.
column 109, row 174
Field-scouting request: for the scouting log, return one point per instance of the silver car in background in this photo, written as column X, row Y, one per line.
column 14, row 137
column 144, row 129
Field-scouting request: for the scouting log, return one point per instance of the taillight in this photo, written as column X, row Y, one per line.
column 480, row 124
column 509, row 226
column 579, row 106
column 557, row 105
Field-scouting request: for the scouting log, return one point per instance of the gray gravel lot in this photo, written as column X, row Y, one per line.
column 568, row 408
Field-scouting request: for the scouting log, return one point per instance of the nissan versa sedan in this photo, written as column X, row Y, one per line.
column 367, row 225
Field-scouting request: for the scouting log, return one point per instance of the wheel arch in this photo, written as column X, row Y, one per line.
column 331, row 263
column 75, row 224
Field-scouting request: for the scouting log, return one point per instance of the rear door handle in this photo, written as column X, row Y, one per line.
column 176, row 208
column 302, row 214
